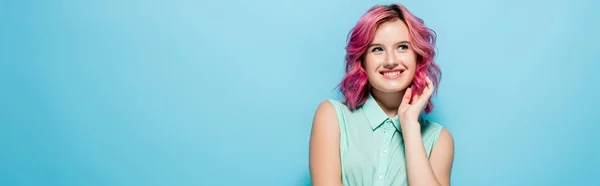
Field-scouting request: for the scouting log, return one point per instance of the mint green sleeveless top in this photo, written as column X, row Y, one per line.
column 372, row 147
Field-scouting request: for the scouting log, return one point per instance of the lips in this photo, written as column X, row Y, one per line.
column 391, row 73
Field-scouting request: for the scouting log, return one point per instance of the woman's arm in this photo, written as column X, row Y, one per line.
column 324, row 151
column 423, row 171
column 434, row 171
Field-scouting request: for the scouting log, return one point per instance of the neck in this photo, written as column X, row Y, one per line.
column 389, row 102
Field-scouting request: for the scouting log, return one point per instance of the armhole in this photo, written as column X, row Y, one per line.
column 340, row 115
column 338, row 110
column 434, row 136
column 341, row 123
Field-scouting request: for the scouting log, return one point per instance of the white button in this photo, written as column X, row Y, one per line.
column 380, row 177
column 388, row 121
column 384, row 150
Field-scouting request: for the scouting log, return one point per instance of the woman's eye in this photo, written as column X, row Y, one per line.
column 377, row 49
column 403, row 47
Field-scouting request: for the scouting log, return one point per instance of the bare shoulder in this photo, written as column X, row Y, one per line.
column 442, row 157
column 325, row 118
column 445, row 141
column 325, row 168
column 326, row 109
column 443, row 150
column 445, row 135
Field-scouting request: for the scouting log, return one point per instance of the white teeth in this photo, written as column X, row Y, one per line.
column 391, row 74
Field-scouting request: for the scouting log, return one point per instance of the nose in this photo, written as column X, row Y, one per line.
column 392, row 60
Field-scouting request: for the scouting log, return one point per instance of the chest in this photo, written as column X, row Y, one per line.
column 373, row 157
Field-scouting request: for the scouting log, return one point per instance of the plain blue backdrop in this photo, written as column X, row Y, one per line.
column 185, row 92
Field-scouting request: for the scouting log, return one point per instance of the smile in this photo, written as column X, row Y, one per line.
column 391, row 74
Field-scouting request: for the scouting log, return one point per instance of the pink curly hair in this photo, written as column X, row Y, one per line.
column 355, row 86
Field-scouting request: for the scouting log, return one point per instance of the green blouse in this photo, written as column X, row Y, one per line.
column 372, row 147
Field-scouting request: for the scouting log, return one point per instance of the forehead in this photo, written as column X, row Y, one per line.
column 391, row 32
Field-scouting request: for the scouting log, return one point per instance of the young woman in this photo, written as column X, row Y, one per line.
column 375, row 135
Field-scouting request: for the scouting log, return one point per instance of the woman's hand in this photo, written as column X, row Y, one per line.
column 409, row 111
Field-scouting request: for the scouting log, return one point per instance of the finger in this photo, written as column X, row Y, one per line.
column 429, row 83
column 430, row 86
column 424, row 97
column 407, row 96
column 415, row 98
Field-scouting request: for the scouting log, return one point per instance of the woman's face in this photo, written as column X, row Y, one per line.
column 390, row 61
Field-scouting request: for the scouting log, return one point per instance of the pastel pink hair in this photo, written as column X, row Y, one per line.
column 355, row 86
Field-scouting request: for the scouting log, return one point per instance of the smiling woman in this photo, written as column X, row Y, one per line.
column 375, row 135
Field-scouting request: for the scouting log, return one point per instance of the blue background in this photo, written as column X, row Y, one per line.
column 223, row 92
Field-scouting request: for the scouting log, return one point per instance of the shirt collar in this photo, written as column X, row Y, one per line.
column 377, row 116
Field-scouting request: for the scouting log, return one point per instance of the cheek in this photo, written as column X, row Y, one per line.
column 370, row 64
column 409, row 60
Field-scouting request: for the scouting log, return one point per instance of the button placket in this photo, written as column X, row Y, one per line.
column 384, row 156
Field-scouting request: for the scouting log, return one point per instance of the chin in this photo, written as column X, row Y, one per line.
column 390, row 89
column 390, row 86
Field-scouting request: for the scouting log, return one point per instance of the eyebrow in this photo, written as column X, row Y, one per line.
column 377, row 44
